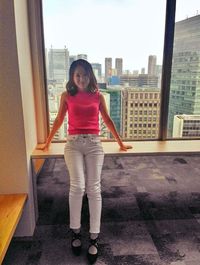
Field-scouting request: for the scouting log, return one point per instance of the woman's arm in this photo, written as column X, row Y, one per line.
column 58, row 120
column 110, row 124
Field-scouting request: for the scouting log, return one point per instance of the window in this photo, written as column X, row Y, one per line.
column 130, row 76
column 184, row 101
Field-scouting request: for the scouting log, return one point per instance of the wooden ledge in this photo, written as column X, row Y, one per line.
column 11, row 206
column 139, row 148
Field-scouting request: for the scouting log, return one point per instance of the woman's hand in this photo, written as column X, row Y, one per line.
column 43, row 147
column 124, row 147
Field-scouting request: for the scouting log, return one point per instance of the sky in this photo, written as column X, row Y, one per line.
column 130, row 29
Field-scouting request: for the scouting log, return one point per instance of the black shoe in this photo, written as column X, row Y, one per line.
column 93, row 257
column 76, row 249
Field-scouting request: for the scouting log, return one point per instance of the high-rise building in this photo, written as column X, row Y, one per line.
column 140, row 113
column 119, row 66
column 58, row 64
column 104, row 131
column 82, row 56
column 72, row 58
column 152, row 65
column 108, row 68
column 142, row 70
column 54, row 101
column 115, row 106
column 141, row 80
column 185, row 76
column 97, row 70
column 186, row 126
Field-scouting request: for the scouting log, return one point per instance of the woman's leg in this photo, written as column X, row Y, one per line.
column 75, row 164
column 94, row 158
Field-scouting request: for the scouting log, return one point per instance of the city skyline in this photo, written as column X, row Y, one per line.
column 148, row 27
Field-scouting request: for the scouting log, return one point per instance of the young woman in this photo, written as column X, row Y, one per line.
column 83, row 151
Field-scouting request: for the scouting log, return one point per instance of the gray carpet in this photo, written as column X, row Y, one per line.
column 151, row 214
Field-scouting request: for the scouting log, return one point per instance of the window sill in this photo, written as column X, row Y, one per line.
column 139, row 148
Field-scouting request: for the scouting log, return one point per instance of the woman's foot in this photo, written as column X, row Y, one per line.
column 76, row 243
column 92, row 253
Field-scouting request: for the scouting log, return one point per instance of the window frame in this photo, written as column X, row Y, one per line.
column 35, row 10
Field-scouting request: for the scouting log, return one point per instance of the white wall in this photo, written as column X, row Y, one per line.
column 17, row 112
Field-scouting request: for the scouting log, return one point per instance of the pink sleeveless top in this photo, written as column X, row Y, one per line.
column 83, row 113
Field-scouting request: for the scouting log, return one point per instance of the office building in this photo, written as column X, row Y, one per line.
column 72, row 58
column 58, row 60
column 142, row 70
column 185, row 82
column 140, row 113
column 104, row 131
column 82, row 56
column 97, row 69
column 152, row 65
column 108, row 68
column 141, row 80
column 114, row 80
column 147, row 80
column 115, row 106
column 119, row 66
column 186, row 126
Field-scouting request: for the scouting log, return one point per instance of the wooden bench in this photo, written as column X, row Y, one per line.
column 11, row 207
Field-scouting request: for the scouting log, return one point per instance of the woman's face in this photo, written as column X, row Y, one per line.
column 81, row 79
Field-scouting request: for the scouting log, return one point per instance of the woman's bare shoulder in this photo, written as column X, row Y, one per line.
column 101, row 96
column 64, row 95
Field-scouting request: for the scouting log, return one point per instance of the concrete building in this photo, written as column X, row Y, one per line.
column 185, row 82
column 115, row 106
column 152, row 65
column 141, row 80
column 119, row 66
column 97, row 69
column 82, row 56
column 58, row 64
column 104, row 132
column 142, row 70
column 72, row 58
column 186, row 126
column 140, row 113
column 108, row 68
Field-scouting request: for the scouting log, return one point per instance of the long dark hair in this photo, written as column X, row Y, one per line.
column 71, row 87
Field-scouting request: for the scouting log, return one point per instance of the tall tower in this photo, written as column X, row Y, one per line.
column 185, row 83
column 152, row 65
column 119, row 66
column 58, row 64
column 97, row 70
column 108, row 68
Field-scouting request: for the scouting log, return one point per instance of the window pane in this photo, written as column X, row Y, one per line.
column 184, row 104
column 123, row 40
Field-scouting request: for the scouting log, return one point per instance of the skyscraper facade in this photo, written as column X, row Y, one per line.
column 97, row 70
column 108, row 68
column 141, row 80
column 58, row 60
column 140, row 113
column 119, row 66
column 72, row 58
column 185, row 76
column 186, row 126
column 115, row 106
column 152, row 65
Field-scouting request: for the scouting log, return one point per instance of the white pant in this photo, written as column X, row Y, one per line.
column 84, row 152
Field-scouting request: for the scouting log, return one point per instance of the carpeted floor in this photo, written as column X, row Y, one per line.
column 151, row 214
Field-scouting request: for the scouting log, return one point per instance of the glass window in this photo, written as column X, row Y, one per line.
column 184, row 102
column 126, row 68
